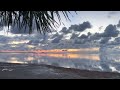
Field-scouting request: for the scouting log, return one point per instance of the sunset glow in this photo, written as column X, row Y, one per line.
column 14, row 60
column 52, row 51
column 29, row 58
column 69, row 50
column 72, row 56
column 19, row 42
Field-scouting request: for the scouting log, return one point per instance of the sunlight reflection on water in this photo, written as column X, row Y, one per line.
column 90, row 61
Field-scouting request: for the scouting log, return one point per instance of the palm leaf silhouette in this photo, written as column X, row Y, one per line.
column 44, row 21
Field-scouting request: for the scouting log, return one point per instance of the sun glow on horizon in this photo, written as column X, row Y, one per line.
column 19, row 42
column 72, row 56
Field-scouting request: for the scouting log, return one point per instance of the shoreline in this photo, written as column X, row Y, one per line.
column 33, row 71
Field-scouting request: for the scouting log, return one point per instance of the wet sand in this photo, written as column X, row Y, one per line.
column 25, row 71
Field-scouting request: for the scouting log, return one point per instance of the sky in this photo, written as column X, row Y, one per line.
column 98, row 19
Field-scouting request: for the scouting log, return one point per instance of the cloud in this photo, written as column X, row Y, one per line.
column 100, row 27
column 102, row 38
column 82, row 39
column 34, row 42
column 105, row 40
column 117, row 39
column 95, row 36
column 109, row 16
column 4, row 39
column 112, row 13
column 83, row 36
column 89, row 33
column 79, row 41
column 55, row 35
column 118, row 25
column 57, row 39
column 80, row 27
column 74, row 36
column 65, row 30
column 110, row 31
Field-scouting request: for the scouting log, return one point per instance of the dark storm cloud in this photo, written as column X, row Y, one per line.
column 55, row 35
column 80, row 27
column 102, row 38
column 80, row 41
column 57, row 39
column 117, row 39
column 105, row 40
column 65, row 30
column 34, row 42
column 118, row 25
column 74, row 36
column 110, row 31
column 95, row 36
column 83, row 36
column 89, row 34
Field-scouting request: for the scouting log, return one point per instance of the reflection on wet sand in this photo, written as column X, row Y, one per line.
column 29, row 58
column 23, row 56
column 72, row 56
column 16, row 61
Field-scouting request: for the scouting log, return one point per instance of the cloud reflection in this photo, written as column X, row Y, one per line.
column 72, row 56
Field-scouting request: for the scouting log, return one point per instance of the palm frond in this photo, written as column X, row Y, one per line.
column 44, row 21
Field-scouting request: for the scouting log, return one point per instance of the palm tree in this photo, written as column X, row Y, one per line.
column 44, row 21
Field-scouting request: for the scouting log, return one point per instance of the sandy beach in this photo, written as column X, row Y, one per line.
column 27, row 71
